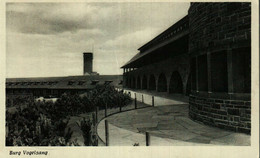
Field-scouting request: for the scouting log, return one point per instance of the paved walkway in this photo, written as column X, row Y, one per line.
column 168, row 125
column 77, row 134
column 160, row 98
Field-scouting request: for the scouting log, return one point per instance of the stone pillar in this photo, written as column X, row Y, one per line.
column 168, row 84
column 197, row 75
column 141, row 82
column 184, row 80
column 124, row 80
column 209, row 72
column 136, row 80
column 229, row 71
column 156, row 82
column 132, row 82
column 147, row 82
column 191, row 76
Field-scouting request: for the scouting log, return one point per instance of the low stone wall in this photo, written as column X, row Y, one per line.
column 226, row 112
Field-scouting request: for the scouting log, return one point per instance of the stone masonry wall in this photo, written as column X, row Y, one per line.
column 218, row 26
column 229, row 114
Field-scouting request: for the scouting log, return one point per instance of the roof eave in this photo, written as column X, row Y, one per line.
column 148, row 43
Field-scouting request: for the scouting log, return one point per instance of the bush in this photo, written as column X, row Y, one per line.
column 43, row 123
column 17, row 100
column 89, row 134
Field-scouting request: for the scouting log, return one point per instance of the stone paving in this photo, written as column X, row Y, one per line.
column 77, row 134
column 168, row 125
column 160, row 98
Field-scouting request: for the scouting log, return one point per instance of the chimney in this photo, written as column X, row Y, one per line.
column 88, row 63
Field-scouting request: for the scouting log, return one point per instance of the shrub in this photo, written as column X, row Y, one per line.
column 43, row 123
column 89, row 134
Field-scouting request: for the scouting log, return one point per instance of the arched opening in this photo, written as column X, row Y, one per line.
column 152, row 84
column 138, row 86
column 144, row 82
column 188, row 86
column 176, row 85
column 162, row 83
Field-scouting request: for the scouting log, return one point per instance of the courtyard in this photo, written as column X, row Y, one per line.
column 167, row 125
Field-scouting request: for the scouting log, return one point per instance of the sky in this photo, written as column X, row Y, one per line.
column 48, row 39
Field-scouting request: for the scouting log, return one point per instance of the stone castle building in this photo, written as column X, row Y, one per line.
column 207, row 56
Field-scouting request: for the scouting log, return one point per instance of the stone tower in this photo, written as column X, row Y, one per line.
column 220, row 52
column 87, row 63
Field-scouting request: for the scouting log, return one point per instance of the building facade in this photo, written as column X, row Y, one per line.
column 206, row 55
column 220, row 54
column 163, row 63
column 56, row 86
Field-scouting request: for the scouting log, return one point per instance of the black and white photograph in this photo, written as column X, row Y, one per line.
column 128, row 74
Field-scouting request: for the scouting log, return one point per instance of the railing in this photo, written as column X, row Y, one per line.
column 138, row 103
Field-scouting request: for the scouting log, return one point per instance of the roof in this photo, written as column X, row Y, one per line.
column 176, row 31
column 69, row 82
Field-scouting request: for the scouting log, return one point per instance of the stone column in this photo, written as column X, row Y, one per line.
column 136, row 81
column 209, row 72
column 141, row 82
column 156, row 82
column 148, row 78
column 197, row 75
column 124, row 80
column 168, row 79
column 229, row 71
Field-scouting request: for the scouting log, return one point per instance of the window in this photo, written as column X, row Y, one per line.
column 241, row 67
column 219, row 80
column 202, row 73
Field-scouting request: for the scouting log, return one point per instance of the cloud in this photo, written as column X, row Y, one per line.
column 48, row 39
column 49, row 19
column 118, row 18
